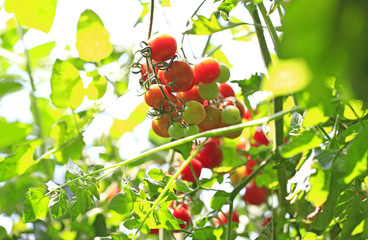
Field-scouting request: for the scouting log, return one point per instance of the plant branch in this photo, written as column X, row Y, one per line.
column 271, row 29
column 151, row 19
column 168, row 185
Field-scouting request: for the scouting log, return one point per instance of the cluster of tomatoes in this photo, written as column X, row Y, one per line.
column 186, row 99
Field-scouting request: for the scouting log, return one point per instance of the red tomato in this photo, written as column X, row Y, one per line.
column 248, row 114
column 187, row 173
column 182, row 214
column 162, row 46
column 266, row 221
column 250, row 166
column 223, row 218
column 181, row 74
column 190, row 95
column 212, row 119
column 210, row 155
column 207, row 70
column 226, row 90
column 144, row 73
column 231, row 135
column 164, row 122
column 114, row 192
column 153, row 97
column 260, row 137
column 255, row 195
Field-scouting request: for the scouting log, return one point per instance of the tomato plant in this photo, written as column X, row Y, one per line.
column 162, row 47
column 206, row 70
column 255, row 195
column 210, row 155
column 180, row 75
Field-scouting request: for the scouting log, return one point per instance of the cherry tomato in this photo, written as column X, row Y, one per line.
column 224, row 74
column 187, row 173
column 194, row 112
column 261, row 137
column 153, row 97
column 223, row 218
column 237, row 174
column 181, row 74
column 266, row 221
column 182, row 214
column 250, row 166
column 114, row 192
column 164, row 121
column 231, row 135
column 176, row 131
column 226, row 90
column 210, row 155
column 162, row 46
column 160, row 132
column 191, row 130
column 238, row 104
column 207, row 70
column 212, row 119
column 230, row 115
column 255, row 195
column 190, row 95
column 208, row 91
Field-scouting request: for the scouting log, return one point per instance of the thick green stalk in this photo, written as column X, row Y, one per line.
column 271, row 29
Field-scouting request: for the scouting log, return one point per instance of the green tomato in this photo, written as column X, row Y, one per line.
column 176, row 130
column 224, row 74
column 231, row 115
column 191, row 130
column 208, row 91
column 194, row 112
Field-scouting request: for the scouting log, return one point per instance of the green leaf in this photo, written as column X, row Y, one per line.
column 8, row 86
column 358, row 156
column 93, row 40
column 227, row 6
column 16, row 164
column 66, row 85
column 310, row 236
column 39, row 52
column 97, row 88
column 208, row 233
column 119, row 127
column 219, row 199
column 74, row 169
column 38, row 14
column 320, row 185
column 182, row 187
column 184, row 149
column 354, row 109
column 287, row 76
column 230, row 159
column 156, row 174
column 166, row 219
column 13, row 133
column 314, row 116
column 350, row 133
column 123, row 203
column 304, row 142
column 59, row 205
column 36, row 205
column 204, row 26
column 145, row 11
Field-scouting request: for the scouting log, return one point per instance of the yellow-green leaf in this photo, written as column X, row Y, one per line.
column 93, row 40
column 287, row 76
column 119, row 127
column 354, row 109
column 38, row 14
column 97, row 88
column 66, row 85
column 314, row 116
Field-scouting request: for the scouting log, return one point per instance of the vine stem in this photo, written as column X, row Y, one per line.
column 168, row 185
column 277, row 106
column 151, row 19
column 271, row 29
column 211, row 133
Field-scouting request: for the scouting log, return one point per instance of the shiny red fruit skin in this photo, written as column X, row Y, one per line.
column 190, row 95
column 210, row 155
column 207, row 70
column 153, row 97
column 181, row 74
column 162, row 46
column 261, row 137
column 114, row 192
column 182, row 214
column 226, row 90
column 187, row 173
column 249, row 167
column 255, row 195
column 223, row 218
column 266, row 221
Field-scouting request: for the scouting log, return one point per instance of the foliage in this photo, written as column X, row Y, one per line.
column 310, row 102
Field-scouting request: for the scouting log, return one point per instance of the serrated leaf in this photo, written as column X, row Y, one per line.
column 227, row 6
column 182, row 187
column 287, row 76
column 38, row 14
column 66, row 85
column 304, row 142
column 36, row 205
column 59, row 205
column 93, row 40
column 166, row 219
column 123, row 203
column 156, row 174
column 13, row 132
column 219, row 199
column 97, row 88
column 205, row 26
column 74, row 168
column 16, row 164
column 208, row 233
